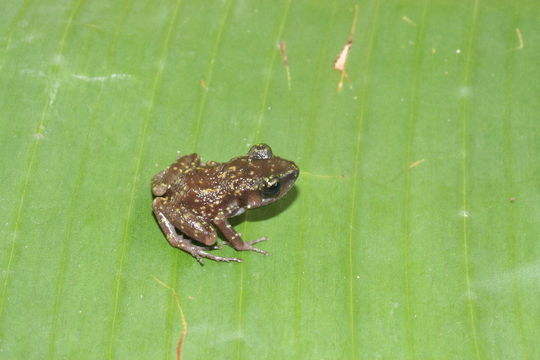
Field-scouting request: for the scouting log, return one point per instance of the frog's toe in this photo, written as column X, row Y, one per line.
column 260, row 251
column 199, row 254
column 248, row 245
column 261, row 239
column 227, row 259
column 198, row 258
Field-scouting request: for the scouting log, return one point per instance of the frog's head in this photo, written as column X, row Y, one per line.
column 266, row 177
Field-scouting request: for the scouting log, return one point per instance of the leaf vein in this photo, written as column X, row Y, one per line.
column 32, row 151
column 464, row 174
column 142, row 136
column 355, row 174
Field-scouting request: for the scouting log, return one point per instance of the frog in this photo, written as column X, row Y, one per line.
column 197, row 197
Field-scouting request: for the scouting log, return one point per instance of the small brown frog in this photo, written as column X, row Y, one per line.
column 191, row 196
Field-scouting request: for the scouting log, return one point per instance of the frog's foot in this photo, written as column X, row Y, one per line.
column 248, row 245
column 200, row 252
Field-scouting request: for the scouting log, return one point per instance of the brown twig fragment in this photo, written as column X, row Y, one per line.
column 341, row 60
column 183, row 334
column 408, row 19
column 283, row 49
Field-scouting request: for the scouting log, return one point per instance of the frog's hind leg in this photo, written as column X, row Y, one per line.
column 169, row 220
column 162, row 181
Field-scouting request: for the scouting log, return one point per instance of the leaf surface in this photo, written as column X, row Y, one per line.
column 412, row 232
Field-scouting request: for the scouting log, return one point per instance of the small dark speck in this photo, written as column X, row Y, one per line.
column 512, row 199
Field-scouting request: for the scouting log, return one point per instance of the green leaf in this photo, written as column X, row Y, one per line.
column 412, row 232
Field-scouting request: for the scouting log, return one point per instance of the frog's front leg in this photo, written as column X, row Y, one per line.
column 234, row 238
column 170, row 219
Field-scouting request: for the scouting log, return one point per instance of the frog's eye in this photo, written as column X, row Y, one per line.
column 271, row 189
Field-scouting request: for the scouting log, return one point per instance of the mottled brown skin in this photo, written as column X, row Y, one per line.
column 193, row 197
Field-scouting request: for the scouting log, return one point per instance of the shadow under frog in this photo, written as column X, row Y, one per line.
column 266, row 213
column 195, row 197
